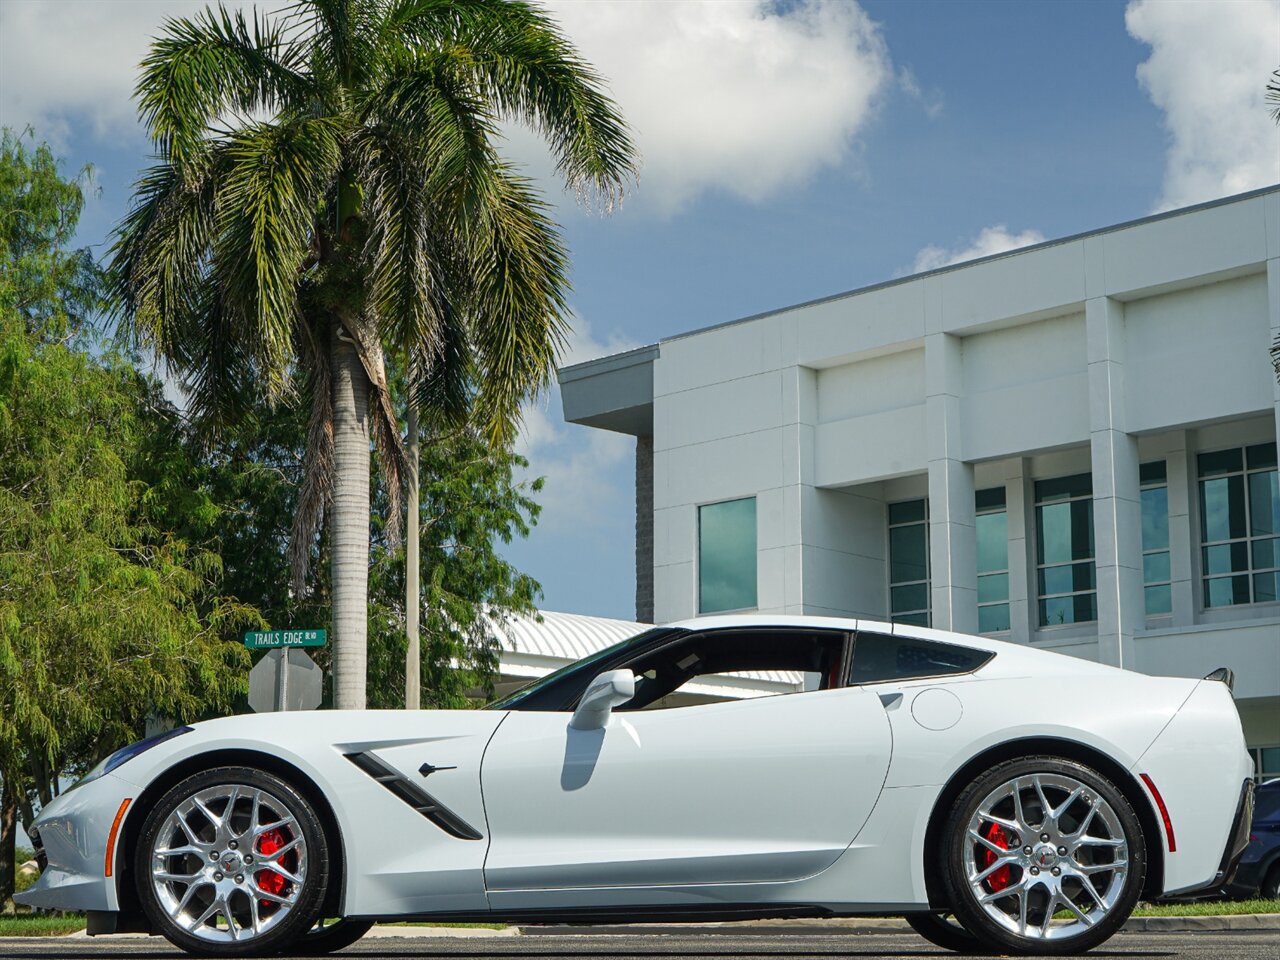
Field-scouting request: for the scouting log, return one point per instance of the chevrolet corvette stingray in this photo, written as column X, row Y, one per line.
column 998, row 796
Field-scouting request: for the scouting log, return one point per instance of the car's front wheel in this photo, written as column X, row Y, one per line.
column 232, row 862
column 1043, row 856
column 944, row 931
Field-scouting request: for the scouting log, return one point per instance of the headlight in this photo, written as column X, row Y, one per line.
column 125, row 754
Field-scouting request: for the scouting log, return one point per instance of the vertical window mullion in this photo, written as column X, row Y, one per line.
column 1066, row 571
column 908, row 530
column 1235, row 581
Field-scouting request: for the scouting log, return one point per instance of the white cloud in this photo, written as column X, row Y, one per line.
column 990, row 241
column 1208, row 69
column 76, row 61
column 581, row 465
column 747, row 97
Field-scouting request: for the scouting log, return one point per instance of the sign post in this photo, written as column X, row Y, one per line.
column 286, row 678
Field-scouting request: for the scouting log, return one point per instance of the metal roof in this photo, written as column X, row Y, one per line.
column 566, row 636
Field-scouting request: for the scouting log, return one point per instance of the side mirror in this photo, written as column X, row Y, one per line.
column 605, row 692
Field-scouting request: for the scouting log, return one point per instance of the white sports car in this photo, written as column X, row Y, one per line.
column 1033, row 796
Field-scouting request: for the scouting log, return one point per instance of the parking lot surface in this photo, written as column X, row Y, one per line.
column 1258, row 945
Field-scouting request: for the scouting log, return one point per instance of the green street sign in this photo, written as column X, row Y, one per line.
column 273, row 639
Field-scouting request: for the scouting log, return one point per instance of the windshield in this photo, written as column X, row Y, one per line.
column 512, row 701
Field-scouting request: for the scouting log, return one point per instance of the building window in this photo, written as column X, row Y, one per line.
column 909, row 562
column 1156, row 578
column 1266, row 763
column 992, row 531
column 727, row 556
column 1065, row 575
column 1239, row 525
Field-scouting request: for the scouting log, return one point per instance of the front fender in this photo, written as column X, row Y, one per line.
column 71, row 834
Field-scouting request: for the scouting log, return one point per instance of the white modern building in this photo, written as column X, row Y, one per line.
column 1072, row 445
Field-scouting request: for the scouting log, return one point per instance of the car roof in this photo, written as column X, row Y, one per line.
column 1013, row 657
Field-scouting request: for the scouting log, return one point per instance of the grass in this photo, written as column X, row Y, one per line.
column 39, row 925
column 1205, row 908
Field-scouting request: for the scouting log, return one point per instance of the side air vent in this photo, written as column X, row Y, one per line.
column 415, row 796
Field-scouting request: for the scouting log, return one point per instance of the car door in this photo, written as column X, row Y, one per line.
column 759, row 790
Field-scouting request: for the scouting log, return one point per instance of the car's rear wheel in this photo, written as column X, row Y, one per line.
column 232, row 862
column 1043, row 856
column 944, row 931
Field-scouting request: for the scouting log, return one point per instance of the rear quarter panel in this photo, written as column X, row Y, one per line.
column 1199, row 764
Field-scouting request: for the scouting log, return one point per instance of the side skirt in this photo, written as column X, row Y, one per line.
column 655, row 914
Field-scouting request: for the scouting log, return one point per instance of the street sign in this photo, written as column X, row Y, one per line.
column 285, row 679
column 274, row 639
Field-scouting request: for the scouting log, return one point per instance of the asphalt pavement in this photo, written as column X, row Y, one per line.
column 1244, row 945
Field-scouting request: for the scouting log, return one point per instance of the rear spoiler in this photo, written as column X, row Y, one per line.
column 1223, row 675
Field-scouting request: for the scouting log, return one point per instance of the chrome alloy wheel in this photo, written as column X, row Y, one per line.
column 1044, row 844
column 229, row 863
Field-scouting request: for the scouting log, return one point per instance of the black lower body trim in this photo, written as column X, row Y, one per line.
column 1237, row 840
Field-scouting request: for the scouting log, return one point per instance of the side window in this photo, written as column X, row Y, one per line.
column 878, row 657
column 709, row 667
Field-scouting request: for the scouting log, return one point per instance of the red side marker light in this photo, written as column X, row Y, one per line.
column 1164, row 811
column 111, row 837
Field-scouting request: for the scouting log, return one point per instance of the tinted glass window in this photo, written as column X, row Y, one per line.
column 879, row 656
column 556, row 690
column 727, row 556
column 689, row 670
column 1266, row 803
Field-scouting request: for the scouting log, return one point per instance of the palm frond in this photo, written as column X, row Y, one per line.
column 518, row 265
column 201, row 69
column 518, row 60
column 277, row 177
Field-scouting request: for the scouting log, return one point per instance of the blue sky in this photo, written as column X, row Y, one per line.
column 792, row 150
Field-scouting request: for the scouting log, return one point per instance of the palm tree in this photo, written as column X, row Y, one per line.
column 328, row 193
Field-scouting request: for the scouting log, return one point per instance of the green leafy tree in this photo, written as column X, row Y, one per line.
column 105, row 616
column 370, row 213
column 470, row 502
column 236, row 495
column 51, row 288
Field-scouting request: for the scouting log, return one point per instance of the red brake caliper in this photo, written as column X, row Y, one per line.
column 1000, row 879
column 269, row 880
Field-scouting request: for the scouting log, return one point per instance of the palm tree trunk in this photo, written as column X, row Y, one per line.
column 349, row 522
column 413, row 652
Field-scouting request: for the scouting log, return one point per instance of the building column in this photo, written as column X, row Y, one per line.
column 1022, row 594
column 644, row 529
column 1184, row 540
column 952, row 538
column 1117, row 500
column 1273, row 314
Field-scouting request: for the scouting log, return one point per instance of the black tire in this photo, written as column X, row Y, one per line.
column 1111, row 829
column 311, row 861
column 944, row 931
column 330, row 936
column 1270, row 886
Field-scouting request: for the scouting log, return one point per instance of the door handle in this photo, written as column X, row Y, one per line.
column 427, row 769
